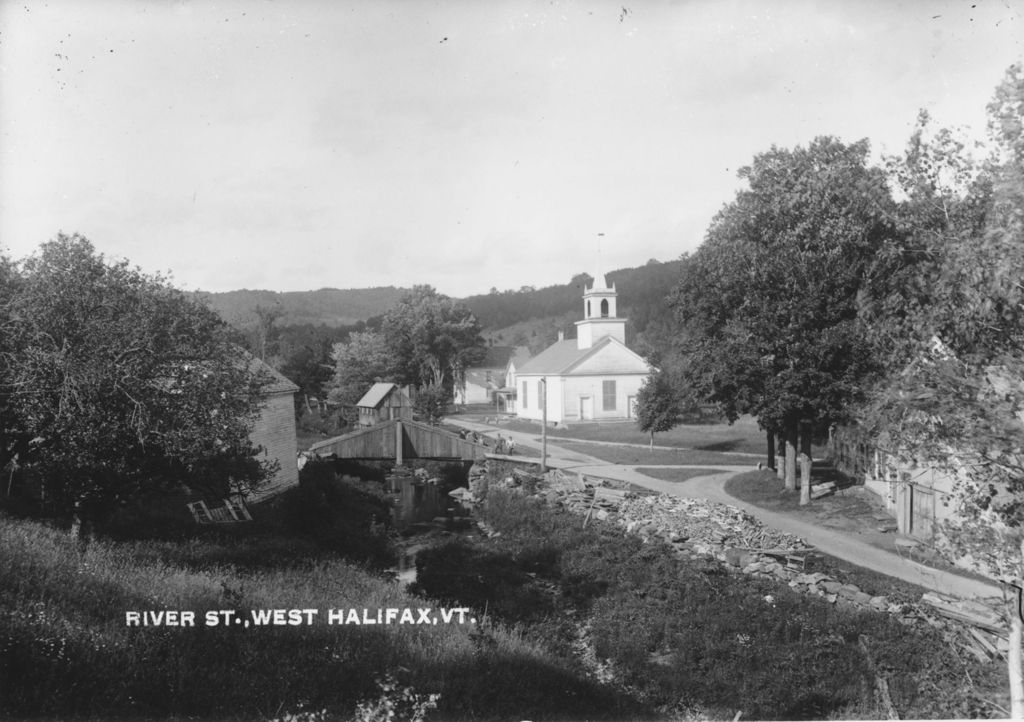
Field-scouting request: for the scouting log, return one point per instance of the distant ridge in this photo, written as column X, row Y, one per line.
column 330, row 306
column 641, row 292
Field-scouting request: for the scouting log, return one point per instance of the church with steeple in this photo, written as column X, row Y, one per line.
column 593, row 377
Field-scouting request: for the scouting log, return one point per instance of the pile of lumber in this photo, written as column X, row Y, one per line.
column 978, row 626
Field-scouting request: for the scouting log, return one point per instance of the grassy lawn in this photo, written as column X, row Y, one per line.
column 630, row 455
column 675, row 474
column 743, row 436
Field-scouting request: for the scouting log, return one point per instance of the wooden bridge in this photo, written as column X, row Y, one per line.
column 400, row 439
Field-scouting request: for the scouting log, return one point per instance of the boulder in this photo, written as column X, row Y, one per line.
column 862, row 599
column 849, row 591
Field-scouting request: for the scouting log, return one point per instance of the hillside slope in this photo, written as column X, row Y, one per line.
column 642, row 291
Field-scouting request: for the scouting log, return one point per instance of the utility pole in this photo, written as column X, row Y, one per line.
column 544, row 425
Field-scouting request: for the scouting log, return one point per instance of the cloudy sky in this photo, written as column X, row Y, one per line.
column 292, row 145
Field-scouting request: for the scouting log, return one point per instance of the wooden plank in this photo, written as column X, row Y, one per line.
column 602, row 492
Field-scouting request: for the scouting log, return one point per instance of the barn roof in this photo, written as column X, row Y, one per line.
column 377, row 393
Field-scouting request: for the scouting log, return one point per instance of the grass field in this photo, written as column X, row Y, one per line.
column 632, row 455
column 743, row 436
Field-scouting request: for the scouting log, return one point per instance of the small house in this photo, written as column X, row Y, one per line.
column 383, row 402
column 483, row 381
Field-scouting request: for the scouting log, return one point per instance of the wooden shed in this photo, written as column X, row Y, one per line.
column 384, row 402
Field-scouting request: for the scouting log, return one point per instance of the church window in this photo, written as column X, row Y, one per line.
column 588, row 309
column 524, row 395
column 604, row 308
column 608, row 394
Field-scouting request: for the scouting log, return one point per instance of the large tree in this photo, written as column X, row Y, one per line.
column 433, row 340
column 769, row 300
column 119, row 385
column 359, row 363
column 958, row 402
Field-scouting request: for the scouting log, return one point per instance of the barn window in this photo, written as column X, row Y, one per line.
column 524, row 395
column 604, row 308
column 608, row 394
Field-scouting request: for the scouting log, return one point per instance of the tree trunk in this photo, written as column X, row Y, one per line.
column 651, row 447
column 805, row 463
column 771, row 449
column 81, row 528
column 791, row 439
column 780, row 453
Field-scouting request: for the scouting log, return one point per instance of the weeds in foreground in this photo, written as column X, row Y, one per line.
column 66, row 651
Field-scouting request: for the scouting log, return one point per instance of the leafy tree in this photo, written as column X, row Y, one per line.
column 124, row 384
column 659, row 406
column 958, row 404
column 9, row 438
column 432, row 340
column 769, row 301
column 360, row 362
column 431, row 403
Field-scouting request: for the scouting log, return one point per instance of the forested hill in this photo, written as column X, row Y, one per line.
column 330, row 306
column 641, row 292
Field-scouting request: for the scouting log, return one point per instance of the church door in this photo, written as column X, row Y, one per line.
column 586, row 407
column 631, row 407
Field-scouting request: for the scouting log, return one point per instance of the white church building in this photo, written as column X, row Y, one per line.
column 592, row 378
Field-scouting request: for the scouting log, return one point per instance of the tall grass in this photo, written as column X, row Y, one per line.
column 65, row 649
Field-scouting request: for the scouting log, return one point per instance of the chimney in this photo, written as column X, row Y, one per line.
column 561, row 335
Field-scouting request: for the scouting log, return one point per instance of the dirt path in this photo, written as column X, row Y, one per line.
column 834, row 542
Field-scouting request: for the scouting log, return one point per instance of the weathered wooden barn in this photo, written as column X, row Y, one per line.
column 384, row 402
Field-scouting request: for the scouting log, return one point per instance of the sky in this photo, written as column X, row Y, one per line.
column 301, row 144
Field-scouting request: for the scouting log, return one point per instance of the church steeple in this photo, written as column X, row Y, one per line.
column 599, row 319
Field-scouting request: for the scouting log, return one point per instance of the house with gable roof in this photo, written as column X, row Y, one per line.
column 483, row 381
column 593, row 377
